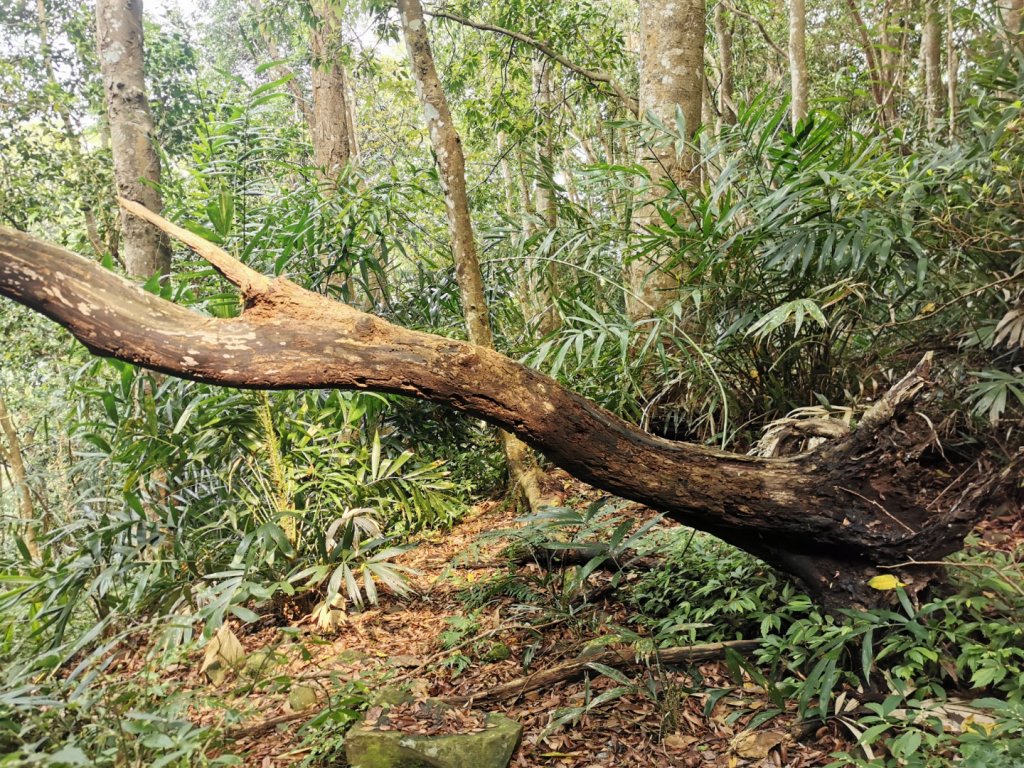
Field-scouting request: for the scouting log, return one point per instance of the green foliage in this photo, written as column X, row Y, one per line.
column 993, row 392
column 911, row 656
column 708, row 591
column 557, row 538
column 324, row 735
column 143, row 722
column 900, row 663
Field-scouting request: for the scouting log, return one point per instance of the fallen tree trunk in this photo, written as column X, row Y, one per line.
column 614, row 658
column 831, row 517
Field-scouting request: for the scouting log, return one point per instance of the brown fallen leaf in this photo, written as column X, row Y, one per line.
column 755, row 745
column 679, row 741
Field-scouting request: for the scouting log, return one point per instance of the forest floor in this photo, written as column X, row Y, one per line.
column 658, row 720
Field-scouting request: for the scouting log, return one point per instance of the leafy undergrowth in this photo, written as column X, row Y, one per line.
column 452, row 639
column 927, row 684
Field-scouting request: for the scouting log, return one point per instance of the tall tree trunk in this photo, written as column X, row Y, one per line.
column 952, row 68
column 726, row 88
column 136, row 163
column 893, row 54
column 13, row 457
column 797, row 61
column 515, row 206
column 671, row 76
column 333, row 133
column 451, row 164
column 931, row 57
column 861, row 505
column 873, row 57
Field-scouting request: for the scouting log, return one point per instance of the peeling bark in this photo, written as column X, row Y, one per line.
column 832, row 518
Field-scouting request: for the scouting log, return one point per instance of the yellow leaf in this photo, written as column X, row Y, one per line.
column 977, row 726
column 223, row 653
column 884, row 582
column 927, row 308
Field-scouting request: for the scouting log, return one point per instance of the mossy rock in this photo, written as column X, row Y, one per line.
column 262, row 663
column 302, row 697
column 496, row 652
column 391, row 696
column 491, row 748
column 352, row 656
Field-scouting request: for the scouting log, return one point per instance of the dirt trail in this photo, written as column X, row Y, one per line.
column 400, row 639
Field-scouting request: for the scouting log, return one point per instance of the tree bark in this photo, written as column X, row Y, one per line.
column 13, row 457
column 1012, row 12
column 832, row 518
column 726, row 88
column 671, row 76
column 797, row 61
column 332, row 130
column 931, row 40
column 952, row 68
column 136, row 163
column 451, row 164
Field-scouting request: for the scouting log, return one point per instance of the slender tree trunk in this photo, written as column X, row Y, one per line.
column 797, row 61
column 894, row 55
column 13, row 457
column 1012, row 12
column 508, row 182
column 726, row 88
column 333, row 135
column 952, row 68
column 74, row 140
column 671, row 76
column 543, row 275
column 516, row 208
column 451, row 165
column 931, row 57
column 136, row 163
column 353, row 133
column 876, row 75
column 281, row 70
